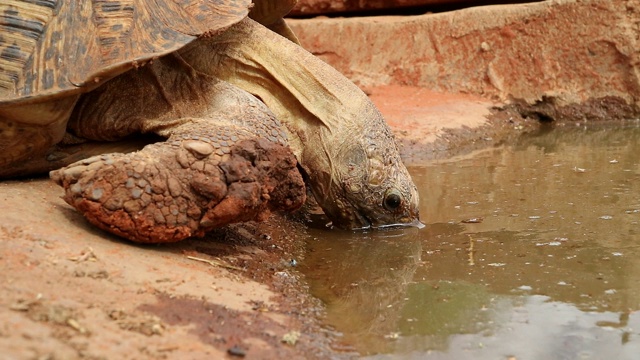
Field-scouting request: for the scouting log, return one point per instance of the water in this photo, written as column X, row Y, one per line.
column 531, row 251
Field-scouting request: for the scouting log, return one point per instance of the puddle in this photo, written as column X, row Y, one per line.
column 531, row 251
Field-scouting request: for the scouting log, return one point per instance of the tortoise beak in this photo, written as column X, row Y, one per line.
column 415, row 220
column 415, row 223
column 412, row 220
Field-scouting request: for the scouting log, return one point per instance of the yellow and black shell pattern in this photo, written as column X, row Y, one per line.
column 55, row 48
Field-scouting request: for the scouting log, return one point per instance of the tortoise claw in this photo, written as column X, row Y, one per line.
column 74, row 171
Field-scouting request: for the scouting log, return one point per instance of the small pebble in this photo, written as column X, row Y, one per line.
column 236, row 350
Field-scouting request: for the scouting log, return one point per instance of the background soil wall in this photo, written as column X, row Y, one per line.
column 566, row 50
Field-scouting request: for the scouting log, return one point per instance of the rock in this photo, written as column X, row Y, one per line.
column 317, row 7
column 566, row 50
column 322, row 7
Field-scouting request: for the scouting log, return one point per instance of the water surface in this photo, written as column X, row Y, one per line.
column 531, row 251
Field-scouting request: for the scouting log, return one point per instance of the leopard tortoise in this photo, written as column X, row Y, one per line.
column 239, row 108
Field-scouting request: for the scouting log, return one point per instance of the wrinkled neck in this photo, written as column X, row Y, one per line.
column 319, row 107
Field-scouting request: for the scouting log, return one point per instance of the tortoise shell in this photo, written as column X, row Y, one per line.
column 56, row 48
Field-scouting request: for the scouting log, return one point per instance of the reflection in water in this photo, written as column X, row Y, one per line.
column 547, row 268
column 366, row 282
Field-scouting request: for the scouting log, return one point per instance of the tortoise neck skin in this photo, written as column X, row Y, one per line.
column 338, row 136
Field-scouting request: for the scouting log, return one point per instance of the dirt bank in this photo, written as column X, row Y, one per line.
column 566, row 50
column 71, row 291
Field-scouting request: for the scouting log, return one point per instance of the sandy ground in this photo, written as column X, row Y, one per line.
column 69, row 291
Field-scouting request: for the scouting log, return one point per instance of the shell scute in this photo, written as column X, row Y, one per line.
column 51, row 48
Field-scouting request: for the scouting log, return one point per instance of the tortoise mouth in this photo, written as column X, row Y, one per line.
column 416, row 223
column 366, row 223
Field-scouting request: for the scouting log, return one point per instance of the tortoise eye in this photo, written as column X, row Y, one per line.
column 392, row 200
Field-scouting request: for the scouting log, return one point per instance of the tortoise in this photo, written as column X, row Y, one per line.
column 243, row 114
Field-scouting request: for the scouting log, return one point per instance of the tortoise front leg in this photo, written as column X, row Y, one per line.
column 185, row 186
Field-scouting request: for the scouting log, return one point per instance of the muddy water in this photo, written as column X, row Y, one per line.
column 531, row 251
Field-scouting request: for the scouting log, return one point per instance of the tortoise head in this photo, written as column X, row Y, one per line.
column 366, row 184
